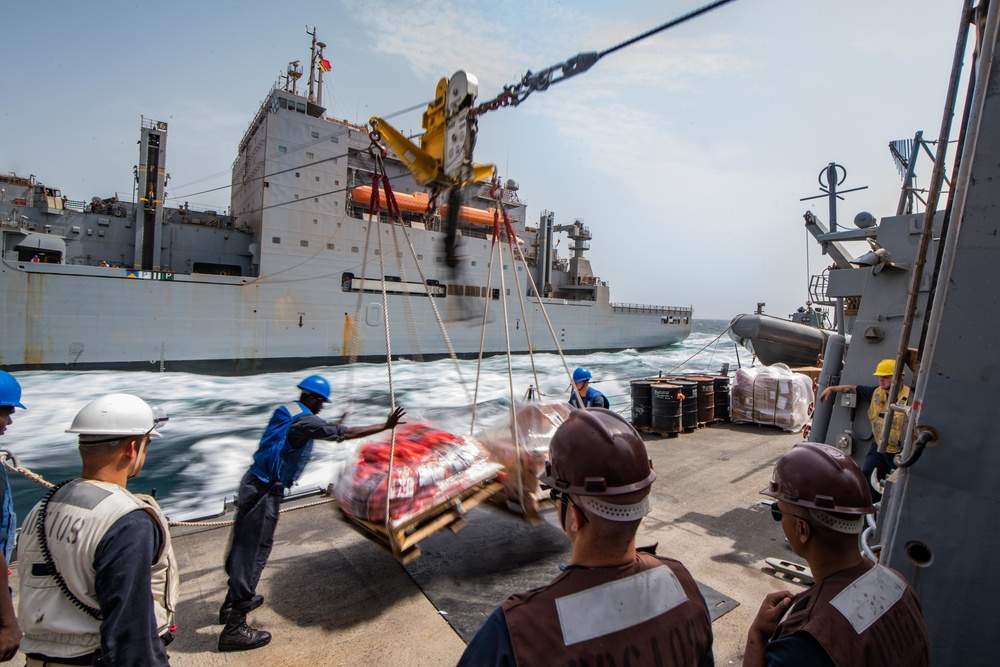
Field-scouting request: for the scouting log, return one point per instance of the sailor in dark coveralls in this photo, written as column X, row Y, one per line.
column 614, row 604
column 284, row 450
column 857, row 613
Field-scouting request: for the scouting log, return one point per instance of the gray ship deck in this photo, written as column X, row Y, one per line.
column 333, row 598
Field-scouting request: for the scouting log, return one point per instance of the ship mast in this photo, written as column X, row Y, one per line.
column 315, row 79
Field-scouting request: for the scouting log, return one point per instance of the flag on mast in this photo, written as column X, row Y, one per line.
column 324, row 64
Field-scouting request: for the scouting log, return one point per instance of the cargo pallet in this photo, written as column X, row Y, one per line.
column 669, row 434
column 401, row 541
column 542, row 499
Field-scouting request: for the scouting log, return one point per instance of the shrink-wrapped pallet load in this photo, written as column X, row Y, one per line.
column 773, row 396
column 536, row 422
column 430, row 467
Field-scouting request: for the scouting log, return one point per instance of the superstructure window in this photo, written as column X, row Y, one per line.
column 304, row 243
column 310, row 156
column 282, row 149
column 315, row 135
column 275, row 239
column 282, row 102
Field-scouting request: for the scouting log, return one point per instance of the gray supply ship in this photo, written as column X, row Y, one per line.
column 292, row 276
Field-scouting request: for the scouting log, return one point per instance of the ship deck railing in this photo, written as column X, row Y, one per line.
column 643, row 308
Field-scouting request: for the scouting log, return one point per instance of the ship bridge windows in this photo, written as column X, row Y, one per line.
column 291, row 105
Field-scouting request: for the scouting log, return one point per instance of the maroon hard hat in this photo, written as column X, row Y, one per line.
column 820, row 477
column 595, row 452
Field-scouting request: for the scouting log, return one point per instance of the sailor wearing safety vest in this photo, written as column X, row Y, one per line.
column 613, row 601
column 877, row 398
column 10, row 632
column 98, row 576
column 591, row 397
column 284, row 450
column 858, row 613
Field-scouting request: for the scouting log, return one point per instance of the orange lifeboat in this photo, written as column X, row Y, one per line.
column 418, row 202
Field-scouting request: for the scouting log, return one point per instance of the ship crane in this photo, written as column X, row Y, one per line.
column 444, row 157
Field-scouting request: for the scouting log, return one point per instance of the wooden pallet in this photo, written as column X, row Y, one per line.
column 662, row 434
column 401, row 541
column 543, row 501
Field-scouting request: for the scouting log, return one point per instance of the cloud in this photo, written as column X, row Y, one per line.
column 499, row 43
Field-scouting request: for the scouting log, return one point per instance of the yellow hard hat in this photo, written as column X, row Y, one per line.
column 885, row 367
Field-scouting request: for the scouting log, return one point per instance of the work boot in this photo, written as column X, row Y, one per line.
column 227, row 607
column 238, row 635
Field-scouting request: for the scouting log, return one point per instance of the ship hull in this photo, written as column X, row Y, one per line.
column 91, row 318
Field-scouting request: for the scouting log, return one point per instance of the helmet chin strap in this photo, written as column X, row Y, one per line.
column 133, row 469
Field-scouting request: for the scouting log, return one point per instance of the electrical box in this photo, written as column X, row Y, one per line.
column 849, row 400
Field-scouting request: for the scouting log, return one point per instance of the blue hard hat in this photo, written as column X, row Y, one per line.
column 10, row 390
column 316, row 385
column 581, row 374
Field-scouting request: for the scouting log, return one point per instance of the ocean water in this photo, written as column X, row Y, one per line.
column 216, row 422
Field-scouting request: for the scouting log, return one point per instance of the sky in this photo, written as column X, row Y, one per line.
column 685, row 154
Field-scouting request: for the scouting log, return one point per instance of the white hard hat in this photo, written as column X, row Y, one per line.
column 116, row 414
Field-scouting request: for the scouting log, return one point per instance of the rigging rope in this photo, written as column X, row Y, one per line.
column 374, row 222
column 705, row 347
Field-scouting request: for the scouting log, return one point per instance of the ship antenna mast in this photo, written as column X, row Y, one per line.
column 322, row 68
column 312, row 63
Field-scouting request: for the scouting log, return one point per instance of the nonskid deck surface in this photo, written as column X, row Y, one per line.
column 333, row 598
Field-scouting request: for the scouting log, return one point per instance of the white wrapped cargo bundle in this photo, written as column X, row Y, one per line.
column 773, row 396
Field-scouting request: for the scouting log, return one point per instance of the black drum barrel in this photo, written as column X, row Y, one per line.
column 722, row 397
column 666, row 408
column 689, row 406
column 642, row 403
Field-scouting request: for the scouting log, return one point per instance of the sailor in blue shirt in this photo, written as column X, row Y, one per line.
column 591, row 397
column 284, row 450
column 10, row 632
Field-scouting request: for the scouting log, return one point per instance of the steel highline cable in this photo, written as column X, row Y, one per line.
column 669, row 24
